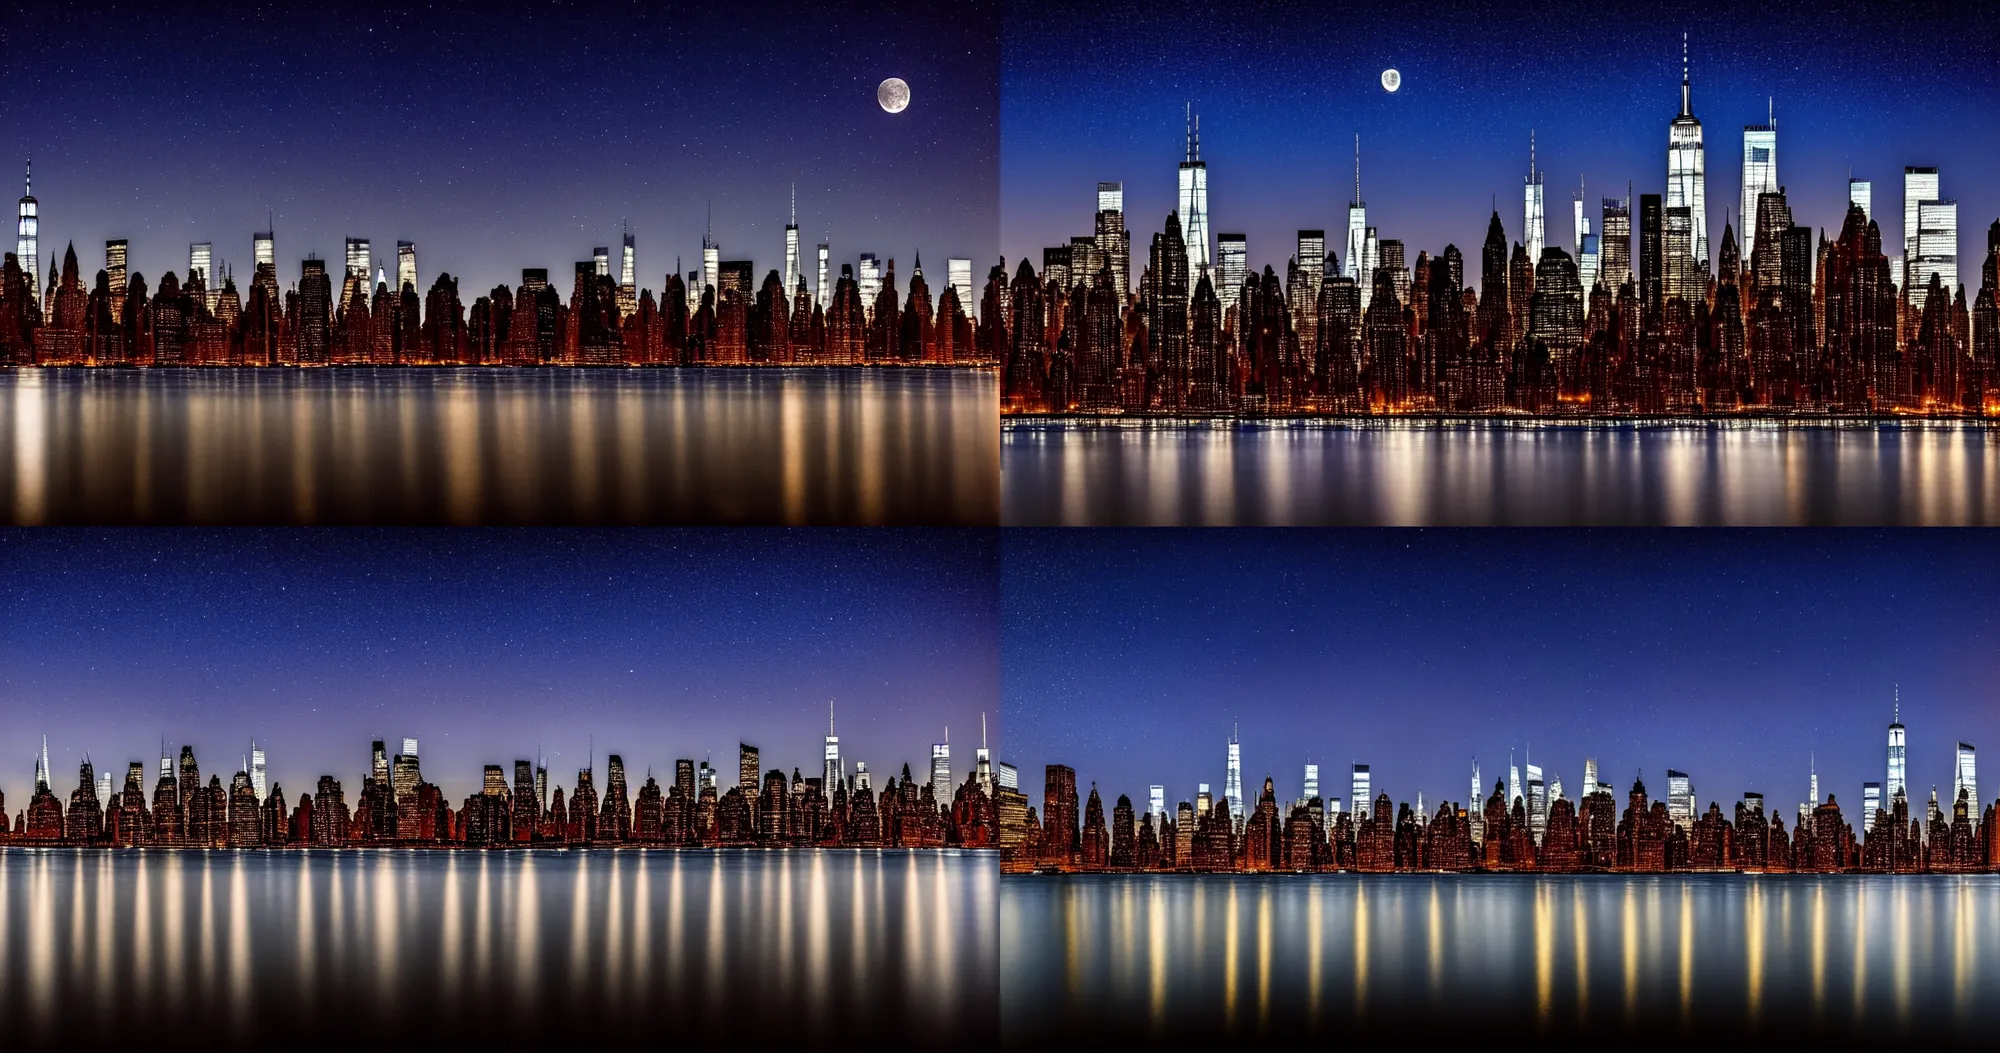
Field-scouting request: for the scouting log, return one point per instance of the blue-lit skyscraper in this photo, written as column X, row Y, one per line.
column 1687, row 170
column 1363, row 792
column 27, row 251
column 1534, row 214
column 1760, row 176
column 1897, row 782
column 1965, row 778
column 1194, row 203
column 1357, row 231
column 1232, row 786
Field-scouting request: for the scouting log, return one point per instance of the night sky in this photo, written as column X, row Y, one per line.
column 502, row 136
column 1730, row 655
column 485, row 644
column 1283, row 87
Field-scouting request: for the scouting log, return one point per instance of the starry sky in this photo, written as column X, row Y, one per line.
column 484, row 644
column 505, row 135
column 1739, row 657
column 1283, row 86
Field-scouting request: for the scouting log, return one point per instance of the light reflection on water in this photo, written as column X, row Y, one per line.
column 1146, row 958
column 494, row 446
column 227, row 947
column 1315, row 473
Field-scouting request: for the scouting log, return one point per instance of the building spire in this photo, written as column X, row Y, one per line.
column 28, row 180
column 829, row 716
column 1899, row 703
column 795, row 204
column 1686, row 111
column 1531, row 155
column 1357, row 169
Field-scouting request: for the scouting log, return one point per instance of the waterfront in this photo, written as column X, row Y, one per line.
column 1471, row 473
column 453, row 446
column 1774, row 961
column 251, row 948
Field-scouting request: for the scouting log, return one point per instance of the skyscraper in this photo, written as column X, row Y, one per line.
column 264, row 250
column 982, row 760
column 792, row 273
column 1680, row 799
column 600, row 261
column 1760, row 176
column 358, row 265
column 406, row 266
column 746, row 769
column 201, row 261
column 1156, row 802
column 868, row 277
column 1937, row 249
column 1589, row 776
column 27, row 250
column 941, row 767
column 1232, row 260
column 257, row 774
column 114, row 271
column 1513, row 780
column 1232, row 787
column 822, row 291
column 1615, row 242
column 831, row 775
column 1896, row 783
column 1534, row 219
column 1312, row 781
column 958, row 274
column 1475, row 810
column 628, row 276
column 711, row 260
column 1113, row 241
column 1538, row 803
column 1862, row 192
column 1357, row 234
column 1194, row 202
column 1687, row 171
column 1965, row 778
column 1363, row 792
column 1871, row 802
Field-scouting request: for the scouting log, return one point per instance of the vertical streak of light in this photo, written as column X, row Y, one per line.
column 1230, row 940
column 241, row 966
column 1687, row 951
column 1580, row 920
column 1818, row 953
column 1315, row 938
column 1434, row 932
column 385, row 908
column 106, row 896
column 1156, row 954
column 302, row 938
column 642, row 927
column 31, row 427
column 1545, row 957
column 1263, row 956
column 1360, row 951
column 527, row 932
column 1629, row 937
column 579, row 927
column 451, row 941
column 41, row 945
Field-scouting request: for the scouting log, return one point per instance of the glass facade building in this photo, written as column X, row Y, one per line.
column 1232, row 262
column 1193, row 204
column 1687, row 175
column 1760, row 176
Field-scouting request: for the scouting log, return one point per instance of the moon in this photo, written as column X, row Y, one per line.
column 1391, row 80
column 893, row 94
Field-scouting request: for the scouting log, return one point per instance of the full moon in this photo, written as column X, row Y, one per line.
column 1391, row 80
column 894, row 95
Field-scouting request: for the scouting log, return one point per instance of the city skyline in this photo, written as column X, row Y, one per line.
column 522, row 135
column 485, row 644
column 1728, row 656
column 1285, row 97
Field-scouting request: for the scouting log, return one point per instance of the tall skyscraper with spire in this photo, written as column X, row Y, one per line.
column 1232, row 786
column 406, row 267
column 1194, row 202
column 941, row 767
column 711, row 258
column 27, row 249
column 833, row 773
column 1687, row 170
column 1357, row 232
column 1760, row 174
column 792, row 268
column 42, row 767
column 1534, row 217
column 1898, row 781
column 983, row 760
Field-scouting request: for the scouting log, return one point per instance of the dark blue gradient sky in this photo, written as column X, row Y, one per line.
column 505, row 135
column 1283, row 87
column 484, row 644
column 1731, row 655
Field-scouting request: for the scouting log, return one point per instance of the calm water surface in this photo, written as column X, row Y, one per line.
column 1776, row 961
column 482, row 446
column 1654, row 474
column 258, row 947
